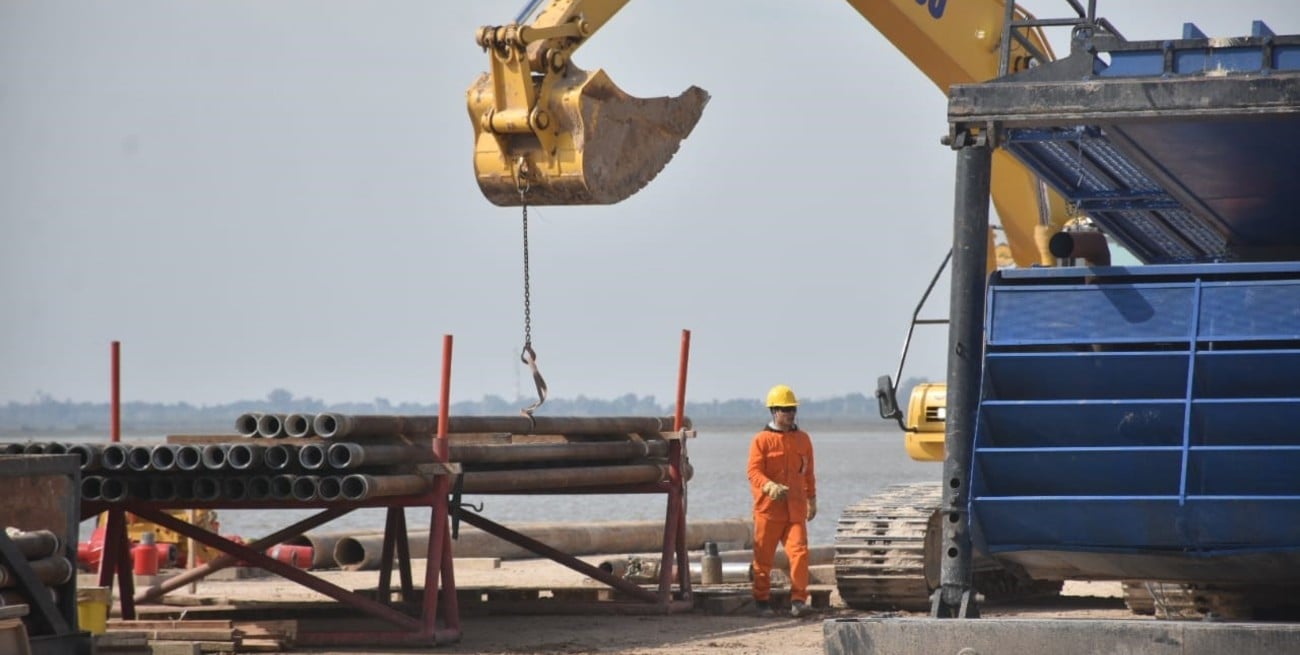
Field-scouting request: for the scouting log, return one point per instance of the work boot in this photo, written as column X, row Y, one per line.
column 764, row 609
column 799, row 608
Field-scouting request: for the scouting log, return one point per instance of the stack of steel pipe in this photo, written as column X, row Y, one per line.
column 43, row 554
column 339, row 457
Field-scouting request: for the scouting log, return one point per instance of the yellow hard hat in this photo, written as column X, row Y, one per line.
column 781, row 396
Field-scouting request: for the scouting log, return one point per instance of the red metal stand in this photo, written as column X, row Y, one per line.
column 438, row 619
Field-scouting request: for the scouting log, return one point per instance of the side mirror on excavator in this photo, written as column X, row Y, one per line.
column 887, row 400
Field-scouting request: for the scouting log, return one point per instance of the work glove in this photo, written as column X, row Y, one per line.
column 812, row 508
column 775, row 490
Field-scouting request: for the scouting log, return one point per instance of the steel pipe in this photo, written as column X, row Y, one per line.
column 364, row 551
column 114, row 456
column 91, row 487
column 332, row 425
column 51, row 571
column 163, row 458
column 299, row 426
column 270, row 426
column 330, row 487
column 207, row 488
column 216, row 456
column 556, row 479
column 306, row 487
column 162, row 488
column 36, row 544
column 348, row 455
column 361, row 487
column 89, row 454
column 139, row 458
column 575, row 452
column 115, row 489
column 280, row 457
column 312, row 456
column 259, row 487
column 282, row 487
column 234, row 488
column 246, row 424
column 243, row 457
column 189, row 457
column 322, row 546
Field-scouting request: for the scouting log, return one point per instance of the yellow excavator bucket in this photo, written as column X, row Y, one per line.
column 587, row 142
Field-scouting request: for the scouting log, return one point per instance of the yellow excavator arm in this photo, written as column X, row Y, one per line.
column 549, row 133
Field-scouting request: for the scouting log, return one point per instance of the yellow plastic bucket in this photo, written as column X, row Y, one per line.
column 92, row 609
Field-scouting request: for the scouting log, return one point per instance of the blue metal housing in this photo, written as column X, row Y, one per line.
column 1142, row 422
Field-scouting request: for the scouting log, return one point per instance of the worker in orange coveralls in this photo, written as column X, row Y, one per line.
column 785, row 498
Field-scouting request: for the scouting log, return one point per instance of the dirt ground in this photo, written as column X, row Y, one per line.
column 694, row 633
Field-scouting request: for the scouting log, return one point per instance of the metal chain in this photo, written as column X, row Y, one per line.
column 528, row 355
column 528, row 298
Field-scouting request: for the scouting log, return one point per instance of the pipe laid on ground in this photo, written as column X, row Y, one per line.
column 322, row 546
column 333, row 426
column 363, row 552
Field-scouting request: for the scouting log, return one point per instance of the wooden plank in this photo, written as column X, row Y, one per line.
column 262, row 646
column 164, row 624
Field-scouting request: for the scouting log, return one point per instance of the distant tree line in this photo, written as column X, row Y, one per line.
column 46, row 415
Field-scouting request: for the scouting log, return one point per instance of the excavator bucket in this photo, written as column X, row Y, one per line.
column 588, row 142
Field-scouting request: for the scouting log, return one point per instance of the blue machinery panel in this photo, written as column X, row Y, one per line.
column 1183, row 150
column 1147, row 411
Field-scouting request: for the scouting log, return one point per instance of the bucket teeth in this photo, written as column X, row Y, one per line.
column 605, row 144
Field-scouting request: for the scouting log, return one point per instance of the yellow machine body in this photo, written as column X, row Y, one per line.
column 926, row 417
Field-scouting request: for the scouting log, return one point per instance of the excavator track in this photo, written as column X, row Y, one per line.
column 881, row 554
column 880, row 548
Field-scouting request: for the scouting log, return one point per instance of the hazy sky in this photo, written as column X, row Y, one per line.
column 261, row 194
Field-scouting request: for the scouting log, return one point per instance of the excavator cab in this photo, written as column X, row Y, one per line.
column 549, row 133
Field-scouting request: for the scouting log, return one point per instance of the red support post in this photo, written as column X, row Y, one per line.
column 438, row 559
column 115, row 403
